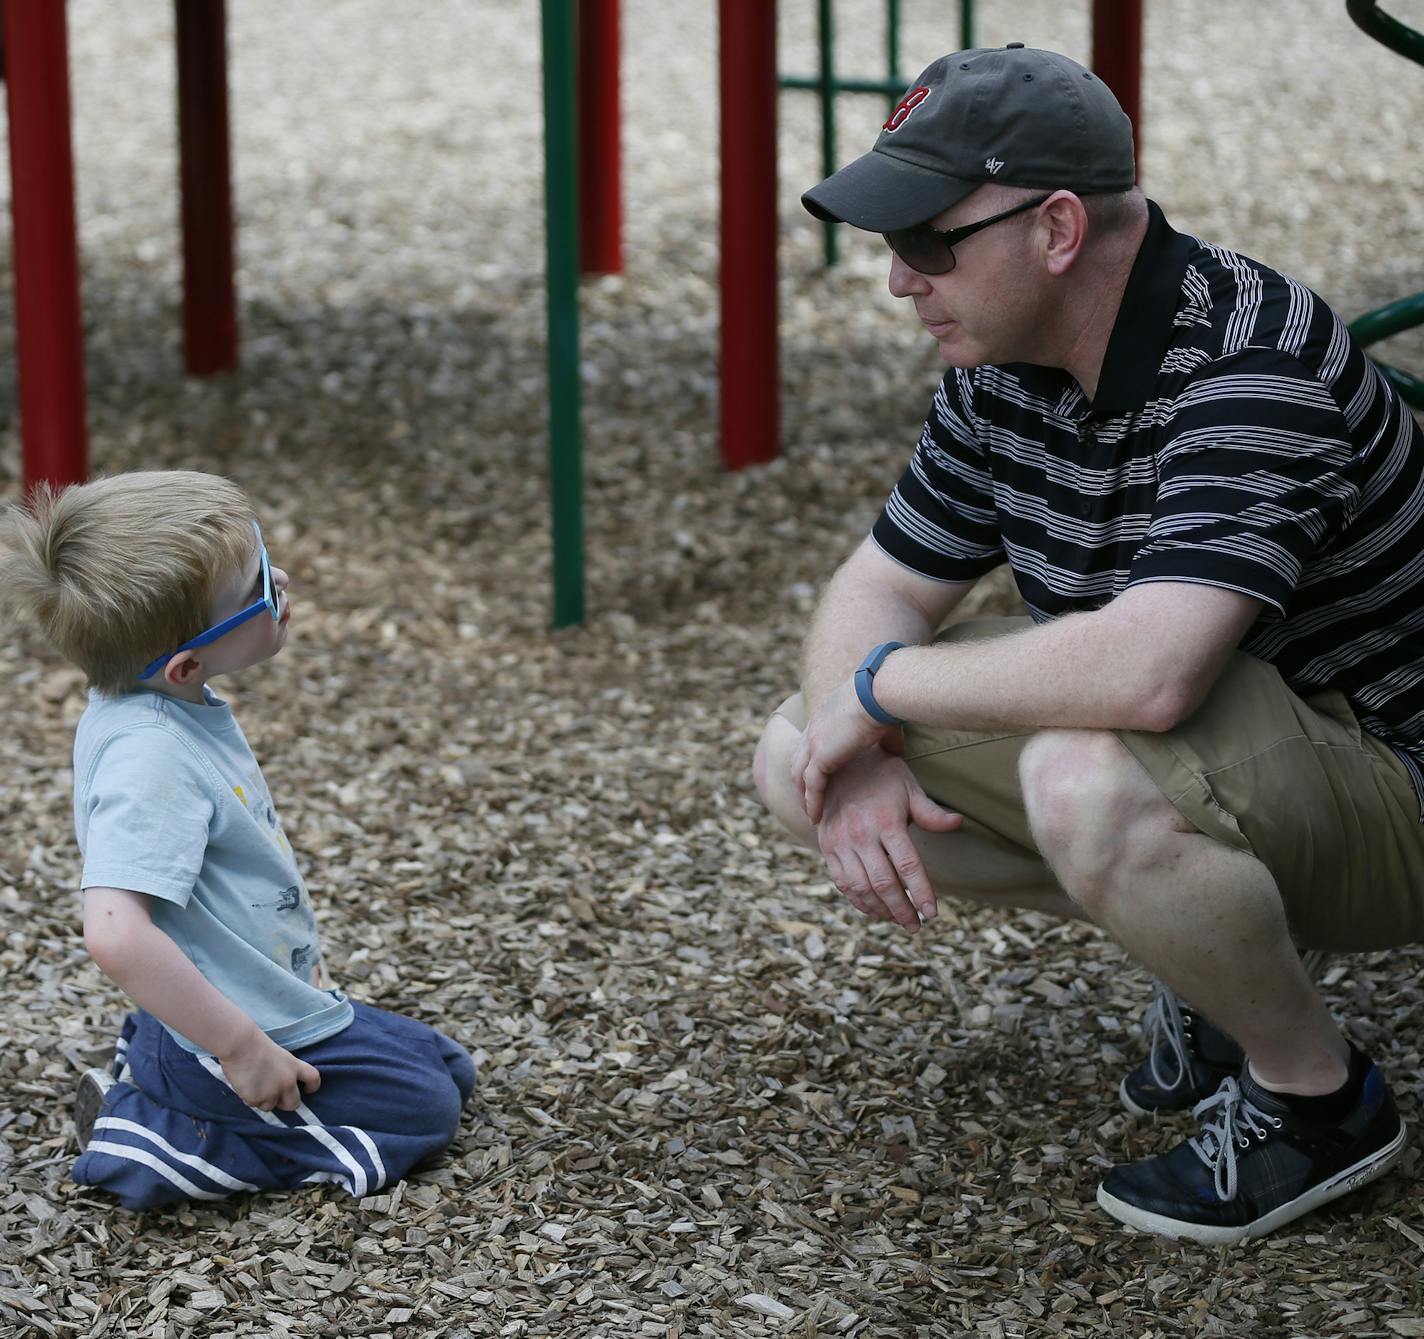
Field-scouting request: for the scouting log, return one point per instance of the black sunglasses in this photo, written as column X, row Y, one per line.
column 931, row 250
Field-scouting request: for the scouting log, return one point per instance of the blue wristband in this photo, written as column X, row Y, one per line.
column 865, row 678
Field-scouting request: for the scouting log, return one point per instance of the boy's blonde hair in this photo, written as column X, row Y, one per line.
column 118, row 571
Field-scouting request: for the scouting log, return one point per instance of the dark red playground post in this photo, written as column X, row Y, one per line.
column 599, row 156
column 1117, row 56
column 209, row 291
column 750, row 368
column 50, row 339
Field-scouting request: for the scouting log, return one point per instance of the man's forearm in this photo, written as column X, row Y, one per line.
column 859, row 609
column 1040, row 678
column 842, row 632
column 1143, row 662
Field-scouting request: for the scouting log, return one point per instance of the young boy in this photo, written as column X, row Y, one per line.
column 241, row 1070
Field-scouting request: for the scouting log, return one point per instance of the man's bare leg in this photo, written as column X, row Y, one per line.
column 1204, row 918
column 960, row 865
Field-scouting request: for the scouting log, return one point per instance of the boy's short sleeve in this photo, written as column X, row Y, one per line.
column 144, row 810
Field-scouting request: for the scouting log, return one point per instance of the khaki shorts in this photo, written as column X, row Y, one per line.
column 1327, row 808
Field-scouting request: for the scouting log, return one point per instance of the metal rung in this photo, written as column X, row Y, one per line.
column 827, row 84
column 1397, row 36
column 1407, row 313
column 885, row 87
column 1410, row 387
column 1389, row 320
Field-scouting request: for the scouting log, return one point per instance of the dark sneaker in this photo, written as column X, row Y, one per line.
column 1187, row 1057
column 93, row 1089
column 1258, row 1162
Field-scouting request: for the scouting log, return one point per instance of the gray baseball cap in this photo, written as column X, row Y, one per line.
column 1014, row 114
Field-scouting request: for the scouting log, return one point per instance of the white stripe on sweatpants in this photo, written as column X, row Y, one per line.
column 215, row 1174
column 362, row 1137
column 359, row 1181
column 146, row 1159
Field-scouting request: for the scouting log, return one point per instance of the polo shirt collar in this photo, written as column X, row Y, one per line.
column 1143, row 327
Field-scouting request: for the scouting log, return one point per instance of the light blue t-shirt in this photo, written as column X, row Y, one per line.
column 169, row 801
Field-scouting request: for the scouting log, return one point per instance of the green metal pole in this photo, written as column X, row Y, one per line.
column 1410, row 387
column 892, row 50
column 561, row 238
column 1397, row 317
column 828, row 113
column 966, row 24
column 894, row 89
column 1395, row 35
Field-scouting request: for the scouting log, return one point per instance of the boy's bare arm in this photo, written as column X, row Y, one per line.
column 154, row 972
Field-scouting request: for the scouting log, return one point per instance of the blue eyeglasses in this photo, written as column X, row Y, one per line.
column 269, row 602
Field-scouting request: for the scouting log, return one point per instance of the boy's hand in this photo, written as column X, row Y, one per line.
column 264, row 1075
column 143, row 961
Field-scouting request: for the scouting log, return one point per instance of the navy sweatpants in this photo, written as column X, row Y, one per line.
column 172, row 1129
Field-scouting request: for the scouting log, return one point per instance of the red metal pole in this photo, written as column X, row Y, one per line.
column 1117, row 56
column 599, row 159
column 750, row 371
column 49, row 331
column 205, row 172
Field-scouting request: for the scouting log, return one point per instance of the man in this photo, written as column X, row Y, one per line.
column 1209, row 739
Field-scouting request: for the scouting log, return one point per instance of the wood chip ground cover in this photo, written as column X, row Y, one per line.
column 713, row 1101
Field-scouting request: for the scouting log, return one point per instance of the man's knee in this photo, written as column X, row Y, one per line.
column 767, row 750
column 771, row 771
column 1090, row 805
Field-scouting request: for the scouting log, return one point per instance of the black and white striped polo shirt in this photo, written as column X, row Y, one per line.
column 1238, row 438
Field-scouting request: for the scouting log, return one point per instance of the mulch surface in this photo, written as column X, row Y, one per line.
column 713, row 1100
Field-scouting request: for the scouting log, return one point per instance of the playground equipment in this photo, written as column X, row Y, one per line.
column 49, row 339
column 1406, row 313
column 827, row 83
column 49, row 329
column 749, row 391
column 582, row 185
column 1117, row 57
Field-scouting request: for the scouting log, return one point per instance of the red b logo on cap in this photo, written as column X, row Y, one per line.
column 908, row 103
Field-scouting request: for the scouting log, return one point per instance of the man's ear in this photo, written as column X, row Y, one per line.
column 182, row 669
column 1065, row 222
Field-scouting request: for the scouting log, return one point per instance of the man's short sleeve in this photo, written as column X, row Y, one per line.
column 1258, row 468
column 142, row 815
column 940, row 521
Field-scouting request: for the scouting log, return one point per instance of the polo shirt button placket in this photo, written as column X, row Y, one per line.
column 1086, row 442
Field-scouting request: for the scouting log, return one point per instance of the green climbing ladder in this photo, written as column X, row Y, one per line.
column 1406, row 313
column 828, row 83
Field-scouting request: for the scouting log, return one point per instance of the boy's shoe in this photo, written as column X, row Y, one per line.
column 1187, row 1057
column 1258, row 1163
column 93, row 1089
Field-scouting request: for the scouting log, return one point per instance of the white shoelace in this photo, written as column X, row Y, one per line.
column 1238, row 1122
column 1166, row 1024
column 1166, row 1032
